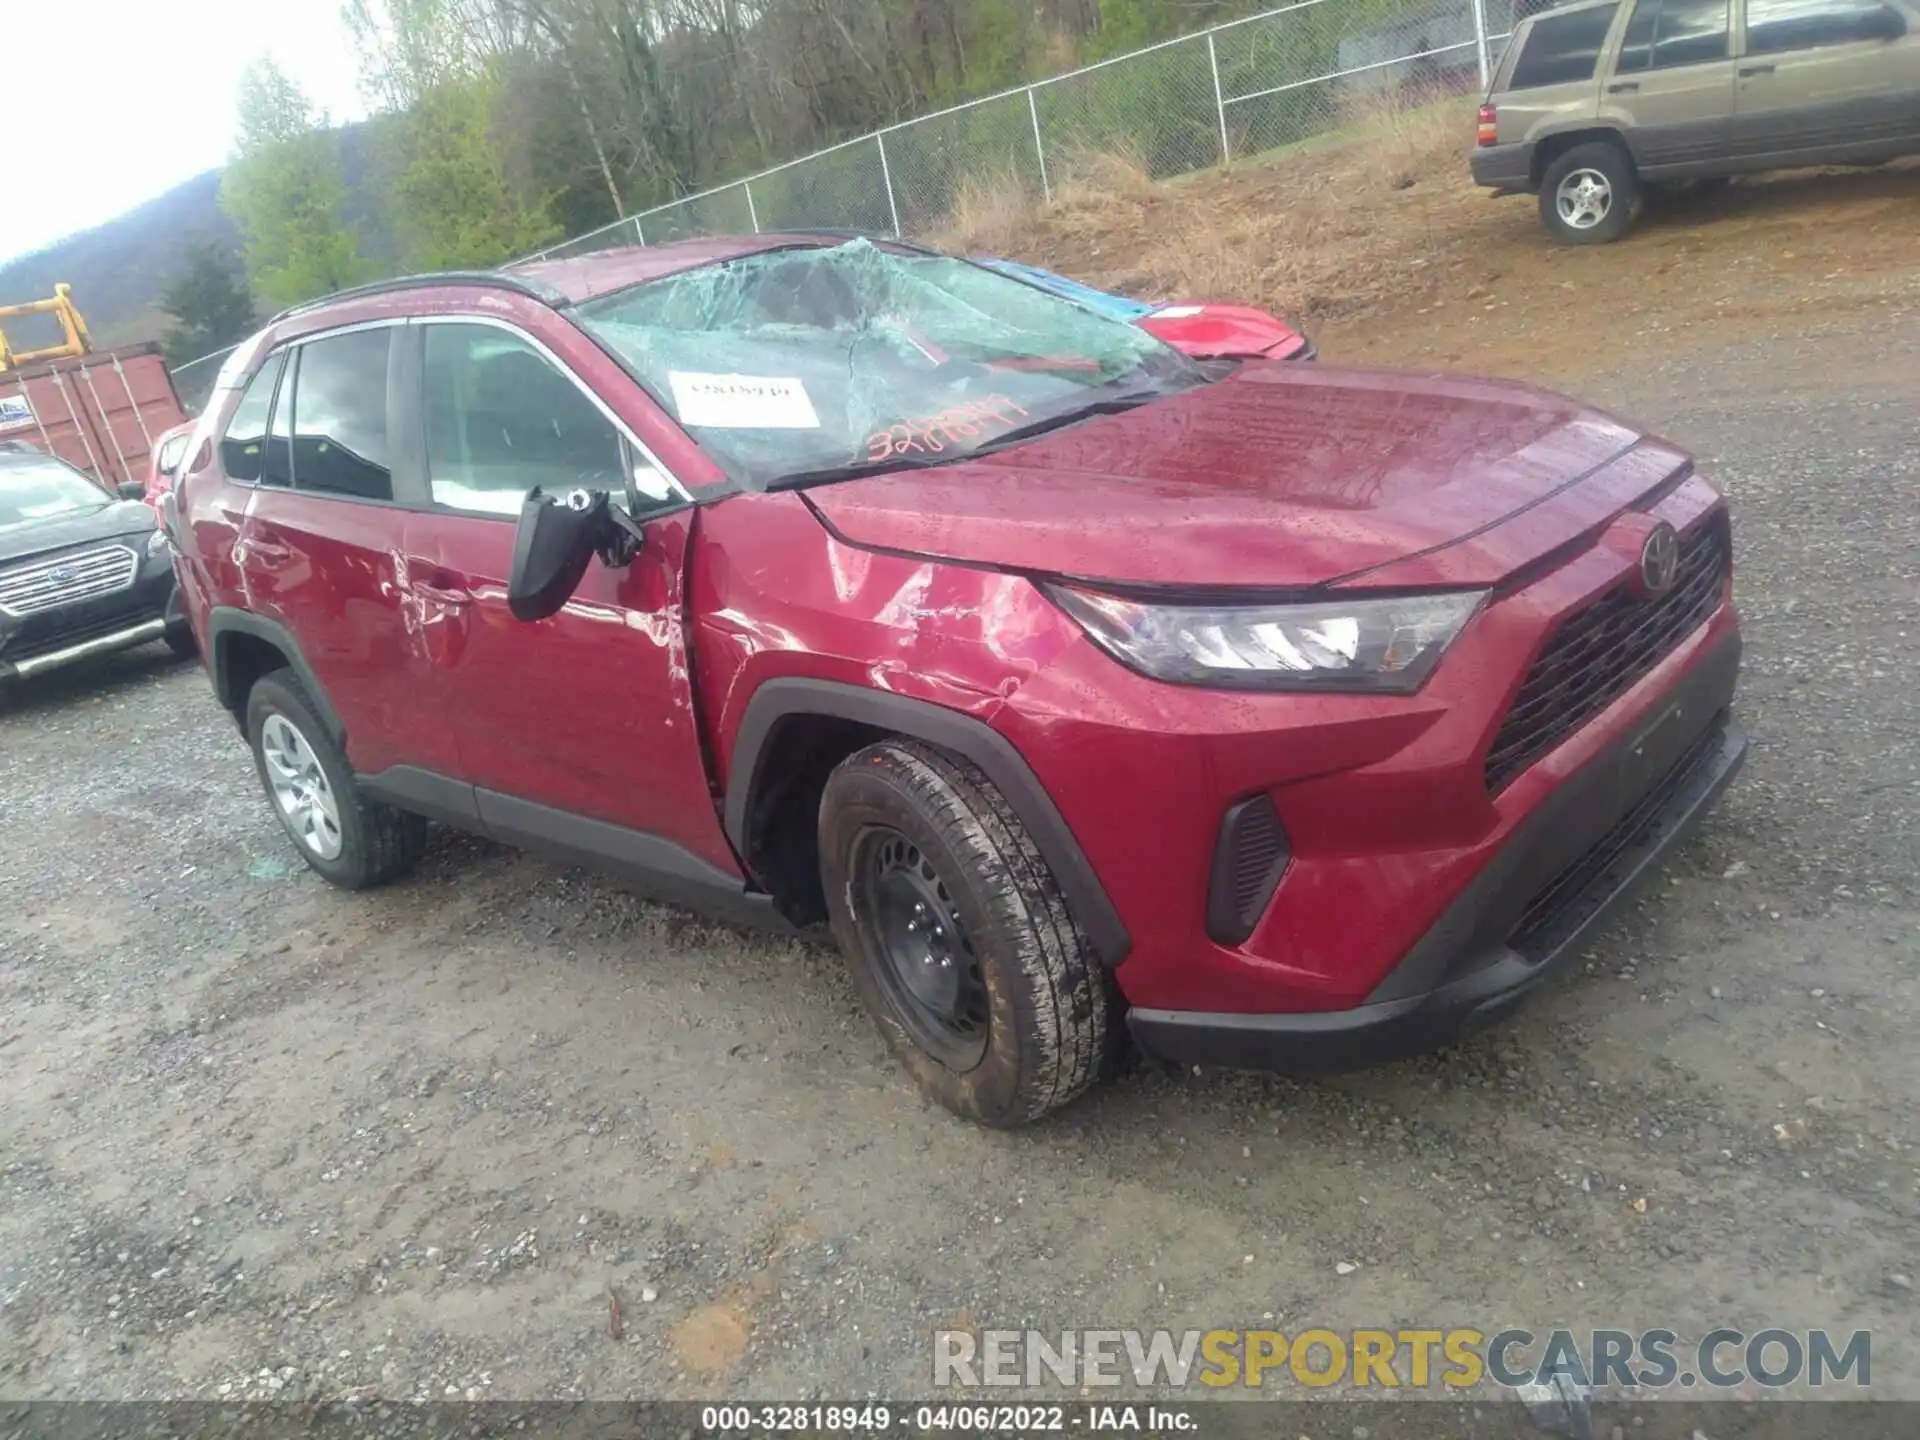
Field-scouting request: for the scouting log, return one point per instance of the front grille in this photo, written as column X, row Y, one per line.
column 1248, row 858
column 1598, row 653
column 1555, row 911
column 78, row 575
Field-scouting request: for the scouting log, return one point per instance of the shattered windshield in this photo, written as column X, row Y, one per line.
column 800, row 366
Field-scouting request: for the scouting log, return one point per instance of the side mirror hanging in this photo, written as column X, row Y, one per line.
column 552, row 548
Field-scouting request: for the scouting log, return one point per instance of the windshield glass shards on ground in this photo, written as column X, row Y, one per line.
column 804, row 365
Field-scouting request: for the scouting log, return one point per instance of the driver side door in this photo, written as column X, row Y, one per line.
column 577, row 731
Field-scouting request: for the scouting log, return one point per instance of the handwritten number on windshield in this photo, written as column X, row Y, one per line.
column 931, row 434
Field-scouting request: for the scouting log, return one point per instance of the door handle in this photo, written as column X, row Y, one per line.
column 442, row 589
column 1748, row 71
column 266, row 555
column 1624, row 87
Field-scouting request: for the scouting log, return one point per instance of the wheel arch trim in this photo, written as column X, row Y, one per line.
column 963, row 735
column 226, row 621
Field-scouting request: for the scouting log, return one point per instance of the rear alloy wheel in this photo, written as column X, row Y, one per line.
column 344, row 837
column 959, row 939
column 1589, row 195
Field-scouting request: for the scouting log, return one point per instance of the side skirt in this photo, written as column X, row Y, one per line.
column 652, row 866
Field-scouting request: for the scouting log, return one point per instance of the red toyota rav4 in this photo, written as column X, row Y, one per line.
column 1290, row 716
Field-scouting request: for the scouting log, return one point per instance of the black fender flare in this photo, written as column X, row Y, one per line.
column 962, row 735
column 226, row 621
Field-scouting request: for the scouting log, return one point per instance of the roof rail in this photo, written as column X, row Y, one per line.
column 499, row 279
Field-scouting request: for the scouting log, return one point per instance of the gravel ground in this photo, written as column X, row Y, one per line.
column 260, row 1138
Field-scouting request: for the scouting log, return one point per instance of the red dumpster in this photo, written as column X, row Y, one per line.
column 103, row 411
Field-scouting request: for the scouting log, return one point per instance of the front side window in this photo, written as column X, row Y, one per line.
column 1775, row 26
column 39, row 487
column 1563, row 49
column 797, row 366
column 243, row 448
column 339, row 430
column 500, row 420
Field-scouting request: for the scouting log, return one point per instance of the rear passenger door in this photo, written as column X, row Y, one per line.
column 322, row 545
column 1827, row 79
column 1672, row 85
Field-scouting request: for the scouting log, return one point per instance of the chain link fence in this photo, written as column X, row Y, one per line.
column 1277, row 79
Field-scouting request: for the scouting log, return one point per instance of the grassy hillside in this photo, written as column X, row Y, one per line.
column 118, row 269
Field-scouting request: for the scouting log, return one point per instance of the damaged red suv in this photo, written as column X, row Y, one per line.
column 1285, row 716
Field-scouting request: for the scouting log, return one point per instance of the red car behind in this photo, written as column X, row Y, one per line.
column 1304, row 716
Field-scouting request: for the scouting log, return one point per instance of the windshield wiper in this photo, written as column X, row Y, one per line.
column 860, row 469
column 1112, row 405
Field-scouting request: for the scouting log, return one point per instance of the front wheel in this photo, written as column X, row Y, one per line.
column 959, row 939
column 1590, row 195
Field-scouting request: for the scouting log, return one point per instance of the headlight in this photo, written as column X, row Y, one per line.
column 1379, row 643
column 157, row 543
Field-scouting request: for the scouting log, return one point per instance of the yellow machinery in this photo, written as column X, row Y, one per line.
column 72, row 326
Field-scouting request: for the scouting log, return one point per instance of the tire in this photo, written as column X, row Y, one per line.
column 360, row 843
column 902, row 824
column 180, row 640
column 1606, row 172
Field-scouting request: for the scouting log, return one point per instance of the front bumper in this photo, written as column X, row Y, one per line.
column 146, row 610
column 1524, row 916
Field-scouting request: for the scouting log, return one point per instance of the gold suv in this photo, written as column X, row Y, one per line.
column 1593, row 101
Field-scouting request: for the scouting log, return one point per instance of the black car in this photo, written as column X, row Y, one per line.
column 83, row 570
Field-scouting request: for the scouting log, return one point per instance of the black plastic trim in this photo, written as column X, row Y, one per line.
column 1463, row 973
column 1229, row 922
column 656, row 866
column 650, row 864
column 225, row 620
column 971, row 739
column 1507, row 168
column 424, row 792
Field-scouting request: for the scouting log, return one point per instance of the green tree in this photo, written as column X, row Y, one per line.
column 454, row 198
column 210, row 300
column 452, row 204
column 285, row 192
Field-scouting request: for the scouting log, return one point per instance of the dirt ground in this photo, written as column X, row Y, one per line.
column 261, row 1138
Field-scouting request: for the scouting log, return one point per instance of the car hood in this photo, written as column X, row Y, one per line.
column 1278, row 476
column 118, row 518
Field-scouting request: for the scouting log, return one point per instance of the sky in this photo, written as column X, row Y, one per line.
column 111, row 102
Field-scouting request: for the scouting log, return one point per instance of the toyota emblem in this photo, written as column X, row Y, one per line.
column 1659, row 561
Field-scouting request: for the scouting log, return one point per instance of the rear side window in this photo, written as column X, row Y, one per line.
column 1563, row 49
column 243, row 447
column 1774, row 26
column 340, row 444
column 1662, row 34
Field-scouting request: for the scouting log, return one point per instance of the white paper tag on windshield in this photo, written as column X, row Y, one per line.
column 1178, row 312
column 742, row 402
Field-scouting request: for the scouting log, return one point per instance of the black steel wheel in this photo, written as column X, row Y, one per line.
column 907, row 917
column 958, row 937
